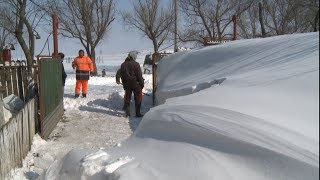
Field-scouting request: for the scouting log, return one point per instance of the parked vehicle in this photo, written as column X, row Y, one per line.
column 147, row 64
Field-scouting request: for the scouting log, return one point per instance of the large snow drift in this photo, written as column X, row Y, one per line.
column 242, row 110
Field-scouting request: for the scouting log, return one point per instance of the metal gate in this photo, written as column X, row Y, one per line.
column 50, row 94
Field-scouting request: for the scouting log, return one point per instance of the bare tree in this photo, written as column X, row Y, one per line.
column 153, row 21
column 252, row 22
column 21, row 17
column 290, row 16
column 86, row 20
column 279, row 17
column 310, row 13
column 263, row 29
column 248, row 22
column 200, row 20
column 316, row 22
column 210, row 17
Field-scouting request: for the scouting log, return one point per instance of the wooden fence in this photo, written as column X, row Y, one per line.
column 16, row 138
column 14, row 80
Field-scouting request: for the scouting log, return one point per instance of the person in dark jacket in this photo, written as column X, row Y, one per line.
column 64, row 74
column 132, row 82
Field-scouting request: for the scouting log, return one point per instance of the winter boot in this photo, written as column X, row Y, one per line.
column 138, row 107
column 76, row 96
column 139, row 115
column 127, row 111
column 84, row 95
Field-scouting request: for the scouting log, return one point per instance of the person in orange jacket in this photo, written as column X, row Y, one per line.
column 84, row 67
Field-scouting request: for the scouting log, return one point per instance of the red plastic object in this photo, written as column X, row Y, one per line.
column 6, row 55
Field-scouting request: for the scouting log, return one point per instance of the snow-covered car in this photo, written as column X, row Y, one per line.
column 147, row 64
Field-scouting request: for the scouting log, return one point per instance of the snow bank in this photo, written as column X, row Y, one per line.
column 9, row 106
column 242, row 110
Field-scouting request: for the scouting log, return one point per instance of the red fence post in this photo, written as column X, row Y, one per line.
column 6, row 55
column 55, row 35
column 234, row 19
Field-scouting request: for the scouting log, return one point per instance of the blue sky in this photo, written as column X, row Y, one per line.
column 118, row 40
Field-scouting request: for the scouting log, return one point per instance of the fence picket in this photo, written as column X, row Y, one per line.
column 8, row 79
column 14, row 80
column 20, row 83
column 2, row 83
column 25, row 80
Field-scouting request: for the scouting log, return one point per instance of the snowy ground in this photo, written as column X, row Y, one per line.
column 247, row 109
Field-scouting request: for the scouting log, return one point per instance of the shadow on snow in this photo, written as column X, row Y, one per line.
column 113, row 107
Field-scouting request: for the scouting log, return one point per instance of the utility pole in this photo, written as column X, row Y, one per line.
column 175, row 25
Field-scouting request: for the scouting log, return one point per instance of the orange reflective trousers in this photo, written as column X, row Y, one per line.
column 81, row 84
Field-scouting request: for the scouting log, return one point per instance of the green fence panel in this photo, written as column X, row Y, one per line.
column 51, row 94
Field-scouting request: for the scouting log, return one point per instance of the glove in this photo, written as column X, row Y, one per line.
column 91, row 74
column 141, row 85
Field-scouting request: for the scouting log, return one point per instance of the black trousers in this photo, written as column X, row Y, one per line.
column 137, row 96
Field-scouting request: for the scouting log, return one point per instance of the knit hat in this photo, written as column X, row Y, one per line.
column 133, row 55
column 61, row 55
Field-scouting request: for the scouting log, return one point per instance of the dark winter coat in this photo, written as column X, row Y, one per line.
column 131, row 75
column 64, row 75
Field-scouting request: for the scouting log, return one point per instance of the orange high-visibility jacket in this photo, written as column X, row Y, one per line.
column 83, row 64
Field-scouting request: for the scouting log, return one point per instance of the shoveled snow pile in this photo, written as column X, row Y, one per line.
column 247, row 109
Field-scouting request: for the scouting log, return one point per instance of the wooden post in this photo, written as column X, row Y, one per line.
column 14, row 80
column 175, row 26
column 234, row 19
column 20, row 84
column 155, row 57
column 55, row 35
column 8, row 79
column 25, row 81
